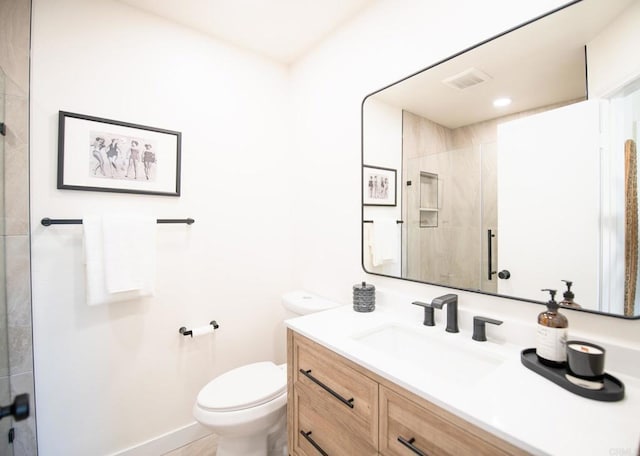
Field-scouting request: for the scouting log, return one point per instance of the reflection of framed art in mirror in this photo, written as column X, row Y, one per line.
column 379, row 186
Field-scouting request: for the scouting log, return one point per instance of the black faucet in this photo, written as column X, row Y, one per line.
column 451, row 300
column 480, row 329
column 428, row 313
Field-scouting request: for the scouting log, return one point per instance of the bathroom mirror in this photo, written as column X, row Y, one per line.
column 513, row 164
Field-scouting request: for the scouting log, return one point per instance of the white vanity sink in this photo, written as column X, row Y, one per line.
column 449, row 357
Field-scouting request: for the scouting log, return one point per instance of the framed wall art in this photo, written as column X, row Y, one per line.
column 378, row 186
column 106, row 155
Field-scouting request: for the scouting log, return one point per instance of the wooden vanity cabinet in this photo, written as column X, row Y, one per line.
column 430, row 430
column 332, row 399
column 322, row 384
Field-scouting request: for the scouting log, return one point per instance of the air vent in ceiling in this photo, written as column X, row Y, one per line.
column 468, row 78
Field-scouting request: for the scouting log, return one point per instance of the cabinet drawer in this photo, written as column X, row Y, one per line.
column 327, row 427
column 337, row 382
column 431, row 430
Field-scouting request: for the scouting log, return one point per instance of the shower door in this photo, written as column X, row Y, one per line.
column 5, row 386
column 443, row 218
column 10, row 408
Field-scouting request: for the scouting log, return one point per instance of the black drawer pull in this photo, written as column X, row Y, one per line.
column 312, row 442
column 347, row 402
column 409, row 444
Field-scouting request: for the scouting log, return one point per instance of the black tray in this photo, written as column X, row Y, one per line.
column 613, row 388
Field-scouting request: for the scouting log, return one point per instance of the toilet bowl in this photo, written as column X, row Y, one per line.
column 246, row 406
column 243, row 406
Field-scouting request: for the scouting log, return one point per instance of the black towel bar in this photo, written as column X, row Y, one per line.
column 48, row 221
column 371, row 221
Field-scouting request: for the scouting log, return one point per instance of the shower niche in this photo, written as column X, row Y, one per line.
column 428, row 200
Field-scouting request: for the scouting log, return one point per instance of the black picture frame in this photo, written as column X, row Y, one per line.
column 379, row 186
column 106, row 155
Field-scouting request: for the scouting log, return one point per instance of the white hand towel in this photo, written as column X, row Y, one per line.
column 120, row 257
column 383, row 241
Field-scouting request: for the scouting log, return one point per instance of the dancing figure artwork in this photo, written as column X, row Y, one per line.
column 121, row 157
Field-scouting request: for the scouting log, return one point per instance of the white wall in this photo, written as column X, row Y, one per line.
column 390, row 41
column 549, row 198
column 110, row 377
column 613, row 58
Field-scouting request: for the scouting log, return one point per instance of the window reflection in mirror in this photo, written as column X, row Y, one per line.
column 513, row 198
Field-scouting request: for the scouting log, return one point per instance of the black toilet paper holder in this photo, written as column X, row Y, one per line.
column 188, row 332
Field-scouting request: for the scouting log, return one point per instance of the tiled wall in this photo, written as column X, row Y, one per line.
column 14, row 60
column 442, row 252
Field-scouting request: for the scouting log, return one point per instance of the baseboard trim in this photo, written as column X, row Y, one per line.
column 167, row 442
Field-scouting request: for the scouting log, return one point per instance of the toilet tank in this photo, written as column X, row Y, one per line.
column 300, row 302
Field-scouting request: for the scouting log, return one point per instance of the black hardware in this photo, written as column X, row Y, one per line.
column 3, row 129
column 347, row 402
column 409, row 444
column 479, row 327
column 12, row 435
column 428, row 313
column 408, row 183
column 504, row 274
column 451, row 300
column 306, row 435
column 49, row 221
column 188, row 221
column 490, row 273
column 19, row 409
column 371, row 221
column 188, row 332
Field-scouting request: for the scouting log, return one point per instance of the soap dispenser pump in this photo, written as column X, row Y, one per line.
column 568, row 297
column 552, row 334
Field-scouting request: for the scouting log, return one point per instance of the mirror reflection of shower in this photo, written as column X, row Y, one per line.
column 559, row 164
column 448, row 212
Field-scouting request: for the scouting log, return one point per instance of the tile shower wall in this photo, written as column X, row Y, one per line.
column 441, row 252
column 14, row 60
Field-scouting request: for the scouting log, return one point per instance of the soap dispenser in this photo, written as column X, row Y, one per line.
column 568, row 297
column 552, row 334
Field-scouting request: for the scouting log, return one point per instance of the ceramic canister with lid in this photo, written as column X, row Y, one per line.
column 364, row 297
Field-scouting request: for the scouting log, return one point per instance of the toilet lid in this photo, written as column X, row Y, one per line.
column 244, row 387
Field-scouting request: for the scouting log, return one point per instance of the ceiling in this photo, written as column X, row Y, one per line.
column 281, row 30
column 538, row 65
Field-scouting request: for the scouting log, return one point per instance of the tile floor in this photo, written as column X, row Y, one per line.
column 206, row 446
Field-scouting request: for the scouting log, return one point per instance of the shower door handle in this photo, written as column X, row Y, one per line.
column 504, row 274
column 19, row 409
column 490, row 273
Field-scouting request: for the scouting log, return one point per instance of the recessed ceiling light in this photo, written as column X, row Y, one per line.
column 501, row 102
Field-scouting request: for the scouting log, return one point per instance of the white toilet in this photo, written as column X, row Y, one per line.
column 246, row 406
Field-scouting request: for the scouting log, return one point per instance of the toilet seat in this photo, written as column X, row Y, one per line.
column 244, row 387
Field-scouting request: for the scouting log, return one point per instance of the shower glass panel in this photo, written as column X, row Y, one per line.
column 5, row 386
column 447, row 190
column 489, row 217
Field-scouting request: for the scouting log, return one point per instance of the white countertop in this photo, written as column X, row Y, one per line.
column 511, row 401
